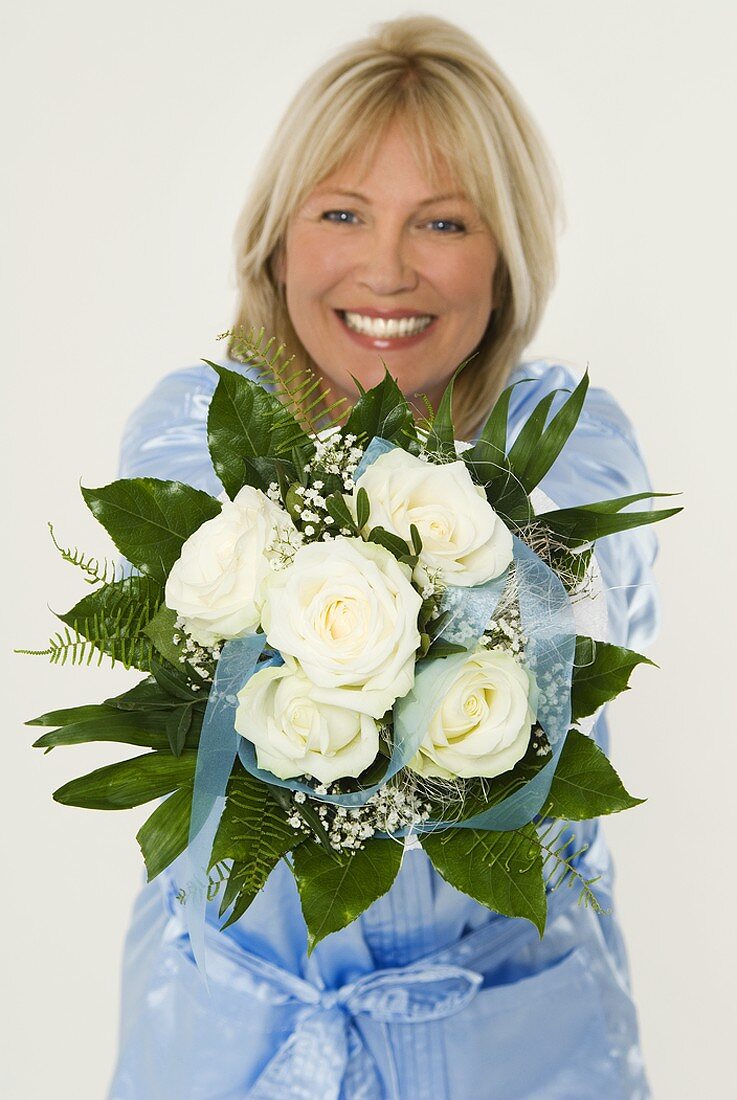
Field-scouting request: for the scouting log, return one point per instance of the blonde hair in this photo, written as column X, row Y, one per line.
column 458, row 105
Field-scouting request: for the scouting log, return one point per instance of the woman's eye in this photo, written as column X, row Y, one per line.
column 339, row 217
column 447, row 225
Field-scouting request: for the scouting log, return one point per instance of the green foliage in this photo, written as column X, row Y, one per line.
column 502, row 870
column 129, row 782
column 253, row 833
column 300, row 388
column 441, row 437
column 149, row 520
column 585, row 784
column 536, row 447
column 336, row 888
column 588, row 522
column 601, row 671
column 113, row 619
column 109, row 724
column 95, row 571
column 246, row 421
column 160, row 629
column 164, row 835
column 382, row 411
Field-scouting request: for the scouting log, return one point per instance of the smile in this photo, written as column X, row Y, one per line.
column 386, row 328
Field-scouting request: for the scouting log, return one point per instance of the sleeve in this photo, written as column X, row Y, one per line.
column 601, row 459
column 166, row 435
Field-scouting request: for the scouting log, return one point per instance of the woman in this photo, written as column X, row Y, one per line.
column 403, row 215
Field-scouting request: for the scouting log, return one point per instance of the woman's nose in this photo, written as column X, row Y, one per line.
column 386, row 264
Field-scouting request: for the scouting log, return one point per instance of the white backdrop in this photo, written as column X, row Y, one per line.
column 131, row 133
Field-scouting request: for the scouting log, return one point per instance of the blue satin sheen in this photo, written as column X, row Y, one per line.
column 550, row 1019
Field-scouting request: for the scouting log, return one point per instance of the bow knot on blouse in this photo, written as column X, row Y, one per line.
column 325, row 1054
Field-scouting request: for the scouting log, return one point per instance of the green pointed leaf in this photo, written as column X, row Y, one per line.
column 91, row 712
column 382, row 411
column 523, row 449
column 164, row 835
column 490, row 449
column 161, row 629
column 178, row 723
column 129, row 782
column 337, row 508
column 391, row 542
column 363, row 509
column 441, row 439
column 601, row 671
column 585, row 784
column 245, row 420
column 145, row 695
column 118, row 726
column 502, row 870
column 589, row 522
column 335, row 890
column 149, row 520
column 174, row 682
column 254, row 833
column 555, row 436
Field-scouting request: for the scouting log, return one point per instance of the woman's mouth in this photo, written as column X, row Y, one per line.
column 386, row 332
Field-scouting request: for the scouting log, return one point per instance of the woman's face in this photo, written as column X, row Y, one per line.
column 381, row 267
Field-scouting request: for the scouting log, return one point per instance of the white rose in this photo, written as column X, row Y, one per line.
column 347, row 611
column 483, row 724
column 214, row 584
column 462, row 536
column 295, row 735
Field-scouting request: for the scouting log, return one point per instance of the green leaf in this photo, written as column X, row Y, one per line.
column 150, row 520
column 502, row 870
column 254, row 833
column 489, row 453
column 145, row 695
column 363, row 509
column 589, row 522
column 161, row 630
column 382, row 411
column 101, row 712
column 178, row 724
column 129, row 782
column 114, row 618
column 117, row 726
column 245, row 420
column 174, row 682
column 601, row 671
column 554, row 437
column 391, row 542
column 528, row 439
column 585, row 784
column 441, row 438
column 164, row 835
column 334, row 890
column 336, row 507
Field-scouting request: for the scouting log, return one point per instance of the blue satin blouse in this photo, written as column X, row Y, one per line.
column 428, row 995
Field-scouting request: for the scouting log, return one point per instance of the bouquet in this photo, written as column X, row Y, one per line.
column 371, row 639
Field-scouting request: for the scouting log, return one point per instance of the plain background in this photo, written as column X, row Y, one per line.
column 131, row 133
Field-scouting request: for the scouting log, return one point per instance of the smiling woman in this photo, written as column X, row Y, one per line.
column 404, row 214
column 398, row 275
column 407, row 180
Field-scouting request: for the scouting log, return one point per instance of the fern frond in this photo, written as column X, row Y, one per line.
column 76, row 649
column 96, row 571
column 425, row 423
column 295, row 385
column 217, row 875
column 563, row 865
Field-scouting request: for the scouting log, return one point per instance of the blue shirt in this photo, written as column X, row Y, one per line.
column 428, row 994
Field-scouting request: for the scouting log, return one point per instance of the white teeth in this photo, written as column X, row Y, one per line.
column 386, row 327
